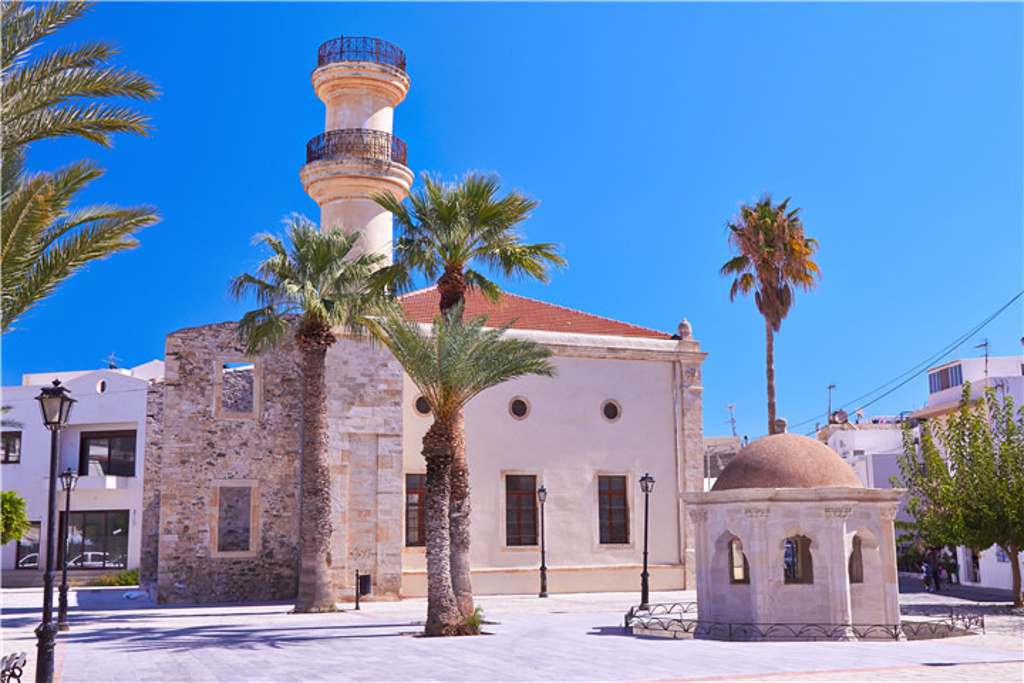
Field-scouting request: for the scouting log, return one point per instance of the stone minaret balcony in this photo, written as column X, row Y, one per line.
column 360, row 80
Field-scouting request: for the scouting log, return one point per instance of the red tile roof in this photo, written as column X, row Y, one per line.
column 529, row 314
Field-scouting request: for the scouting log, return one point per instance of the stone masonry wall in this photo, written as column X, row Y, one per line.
column 364, row 405
column 205, row 445
column 149, row 559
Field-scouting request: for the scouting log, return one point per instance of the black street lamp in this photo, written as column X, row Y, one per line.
column 68, row 478
column 542, row 495
column 647, row 485
column 55, row 405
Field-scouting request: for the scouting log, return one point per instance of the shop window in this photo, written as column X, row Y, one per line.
column 415, row 492
column 107, row 453
column 28, row 548
column 797, row 560
column 856, row 566
column 11, row 447
column 739, row 569
column 520, row 509
column 613, row 509
column 97, row 539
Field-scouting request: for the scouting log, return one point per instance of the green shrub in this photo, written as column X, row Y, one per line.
column 128, row 577
column 13, row 520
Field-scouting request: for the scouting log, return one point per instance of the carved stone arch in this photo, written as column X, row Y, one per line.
column 797, row 554
column 864, row 559
column 725, row 561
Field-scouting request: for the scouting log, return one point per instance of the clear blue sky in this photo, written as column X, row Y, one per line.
column 641, row 128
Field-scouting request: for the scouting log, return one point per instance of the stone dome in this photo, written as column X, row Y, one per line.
column 786, row 461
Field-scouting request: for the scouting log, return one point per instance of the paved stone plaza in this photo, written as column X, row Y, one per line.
column 562, row 638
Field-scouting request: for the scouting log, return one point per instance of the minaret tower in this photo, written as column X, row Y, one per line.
column 361, row 80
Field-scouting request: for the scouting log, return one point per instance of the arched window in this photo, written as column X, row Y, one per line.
column 739, row 570
column 856, row 562
column 797, row 560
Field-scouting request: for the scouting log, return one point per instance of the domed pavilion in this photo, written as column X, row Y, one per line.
column 789, row 544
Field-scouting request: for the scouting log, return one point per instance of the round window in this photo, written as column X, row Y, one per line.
column 422, row 407
column 101, row 386
column 518, row 408
column 611, row 411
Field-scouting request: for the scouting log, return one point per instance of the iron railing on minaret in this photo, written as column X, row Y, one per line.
column 361, row 50
column 360, row 143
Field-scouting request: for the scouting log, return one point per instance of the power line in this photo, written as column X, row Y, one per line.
column 922, row 366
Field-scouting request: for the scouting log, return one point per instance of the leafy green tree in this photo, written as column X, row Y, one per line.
column 965, row 484
column 65, row 92
column 773, row 256
column 15, row 522
column 447, row 233
column 307, row 288
column 450, row 366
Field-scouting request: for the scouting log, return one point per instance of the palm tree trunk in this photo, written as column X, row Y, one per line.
column 458, row 518
column 452, row 287
column 770, row 372
column 443, row 616
column 315, row 527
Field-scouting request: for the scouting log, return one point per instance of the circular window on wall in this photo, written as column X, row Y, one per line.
column 518, row 408
column 101, row 386
column 421, row 406
column 611, row 410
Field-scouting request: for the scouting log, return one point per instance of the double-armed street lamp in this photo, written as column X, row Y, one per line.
column 68, row 478
column 647, row 485
column 542, row 495
column 55, row 404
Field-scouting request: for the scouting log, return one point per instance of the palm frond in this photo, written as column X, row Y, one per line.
column 457, row 360
column 456, row 227
column 309, row 273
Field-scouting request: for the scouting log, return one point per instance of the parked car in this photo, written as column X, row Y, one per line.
column 30, row 561
column 90, row 560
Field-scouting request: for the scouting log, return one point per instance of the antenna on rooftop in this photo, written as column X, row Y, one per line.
column 732, row 418
column 985, row 344
column 830, row 388
column 111, row 361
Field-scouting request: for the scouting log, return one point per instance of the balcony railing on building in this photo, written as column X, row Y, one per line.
column 357, row 143
column 361, row 49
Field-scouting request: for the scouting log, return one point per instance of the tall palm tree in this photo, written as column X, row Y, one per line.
column 446, row 233
column 450, row 366
column 773, row 257
column 59, row 93
column 316, row 278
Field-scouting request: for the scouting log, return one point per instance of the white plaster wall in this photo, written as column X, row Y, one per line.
column 567, row 443
column 121, row 406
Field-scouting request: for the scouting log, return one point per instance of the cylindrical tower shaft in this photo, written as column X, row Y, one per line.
column 360, row 80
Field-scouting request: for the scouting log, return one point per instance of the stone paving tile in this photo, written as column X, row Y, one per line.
column 563, row 638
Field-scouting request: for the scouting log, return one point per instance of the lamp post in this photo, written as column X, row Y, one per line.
column 68, row 478
column 542, row 495
column 647, row 485
column 55, row 405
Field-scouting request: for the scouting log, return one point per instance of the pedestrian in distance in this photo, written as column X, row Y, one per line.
column 926, row 576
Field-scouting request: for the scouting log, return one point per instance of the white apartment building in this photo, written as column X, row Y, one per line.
column 872, row 446
column 104, row 443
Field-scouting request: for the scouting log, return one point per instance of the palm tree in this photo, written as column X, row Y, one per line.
column 317, row 279
column 453, row 364
column 52, row 95
column 446, row 232
column 773, row 257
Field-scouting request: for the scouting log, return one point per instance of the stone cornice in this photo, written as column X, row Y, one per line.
column 833, row 494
